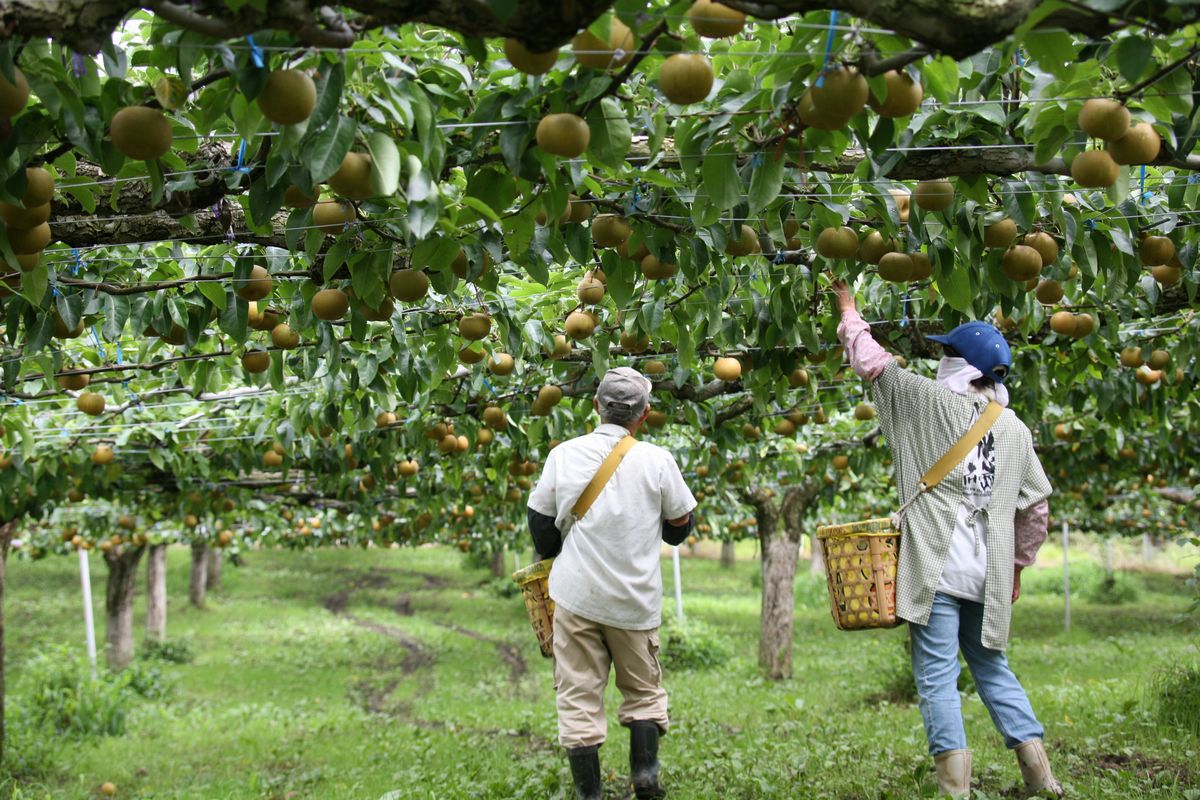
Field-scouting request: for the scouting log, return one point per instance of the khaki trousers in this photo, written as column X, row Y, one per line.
column 583, row 652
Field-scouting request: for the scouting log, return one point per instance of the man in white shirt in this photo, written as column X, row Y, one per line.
column 606, row 583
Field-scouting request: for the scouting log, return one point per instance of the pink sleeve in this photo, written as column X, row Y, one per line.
column 867, row 358
column 1029, row 531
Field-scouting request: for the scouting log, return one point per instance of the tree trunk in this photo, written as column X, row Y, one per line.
column 728, row 555
column 779, row 554
column 212, row 579
column 496, row 563
column 817, row 565
column 156, row 593
column 7, row 529
column 198, row 579
column 122, row 565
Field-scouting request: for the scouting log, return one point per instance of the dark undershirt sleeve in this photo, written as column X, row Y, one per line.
column 676, row 534
column 547, row 541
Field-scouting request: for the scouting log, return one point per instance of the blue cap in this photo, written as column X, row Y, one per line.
column 982, row 346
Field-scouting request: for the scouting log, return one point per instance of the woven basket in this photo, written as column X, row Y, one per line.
column 534, row 581
column 860, row 565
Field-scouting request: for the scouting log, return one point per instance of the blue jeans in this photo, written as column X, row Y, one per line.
column 956, row 623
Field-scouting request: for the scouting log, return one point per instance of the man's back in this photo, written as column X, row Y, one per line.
column 608, row 569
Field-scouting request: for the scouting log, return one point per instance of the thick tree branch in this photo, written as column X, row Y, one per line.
column 958, row 29
column 207, row 167
column 158, row 286
column 1183, row 497
column 205, row 228
column 961, row 29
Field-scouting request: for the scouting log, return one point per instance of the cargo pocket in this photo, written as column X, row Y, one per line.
column 655, row 667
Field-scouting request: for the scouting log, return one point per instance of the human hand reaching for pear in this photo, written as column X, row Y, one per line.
column 845, row 298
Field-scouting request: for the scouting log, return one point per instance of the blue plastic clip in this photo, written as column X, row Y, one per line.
column 904, row 307
column 488, row 384
column 99, row 344
column 78, row 265
column 256, row 53
column 240, row 166
column 778, row 259
column 833, row 15
column 1090, row 224
column 631, row 207
column 1143, row 188
column 137, row 401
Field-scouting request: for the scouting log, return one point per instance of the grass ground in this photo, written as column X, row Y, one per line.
column 402, row 674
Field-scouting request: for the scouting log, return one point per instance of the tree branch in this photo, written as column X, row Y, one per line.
column 643, row 50
column 190, row 20
column 145, row 288
column 871, row 65
column 961, row 29
column 1157, row 75
column 958, row 29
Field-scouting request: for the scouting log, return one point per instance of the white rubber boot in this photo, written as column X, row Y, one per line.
column 1035, row 769
column 954, row 772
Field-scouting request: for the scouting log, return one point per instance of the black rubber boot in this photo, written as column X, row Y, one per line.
column 643, row 760
column 585, row 769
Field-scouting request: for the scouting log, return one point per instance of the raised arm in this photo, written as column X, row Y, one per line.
column 867, row 358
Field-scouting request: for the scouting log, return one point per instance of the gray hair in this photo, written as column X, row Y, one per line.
column 621, row 414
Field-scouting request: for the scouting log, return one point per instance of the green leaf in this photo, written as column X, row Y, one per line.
column 537, row 269
column 481, row 207
column 329, row 96
column 385, row 165
column 275, row 373
column 215, row 292
column 955, row 286
column 325, row 152
column 419, row 186
column 720, row 177
column 1133, row 54
column 157, row 184
column 69, row 307
column 335, row 257
column 766, row 181
column 941, row 78
column 368, row 367
column 1053, row 51
column 35, row 282
column 234, row 318
column 611, row 134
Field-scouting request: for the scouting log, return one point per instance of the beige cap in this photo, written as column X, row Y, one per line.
column 623, row 389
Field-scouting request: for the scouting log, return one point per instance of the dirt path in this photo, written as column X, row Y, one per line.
column 508, row 653
column 418, row 655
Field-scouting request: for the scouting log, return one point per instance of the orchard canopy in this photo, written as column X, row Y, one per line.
column 300, row 274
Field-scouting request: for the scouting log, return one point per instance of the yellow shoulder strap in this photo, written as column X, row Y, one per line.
column 957, row 453
column 600, row 479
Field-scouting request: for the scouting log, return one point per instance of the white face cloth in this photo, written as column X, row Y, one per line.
column 956, row 375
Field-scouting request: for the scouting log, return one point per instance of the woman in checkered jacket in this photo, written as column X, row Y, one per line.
column 964, row 542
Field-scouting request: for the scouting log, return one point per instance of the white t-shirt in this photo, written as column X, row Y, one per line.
column 965, row 571
column 608, row 570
